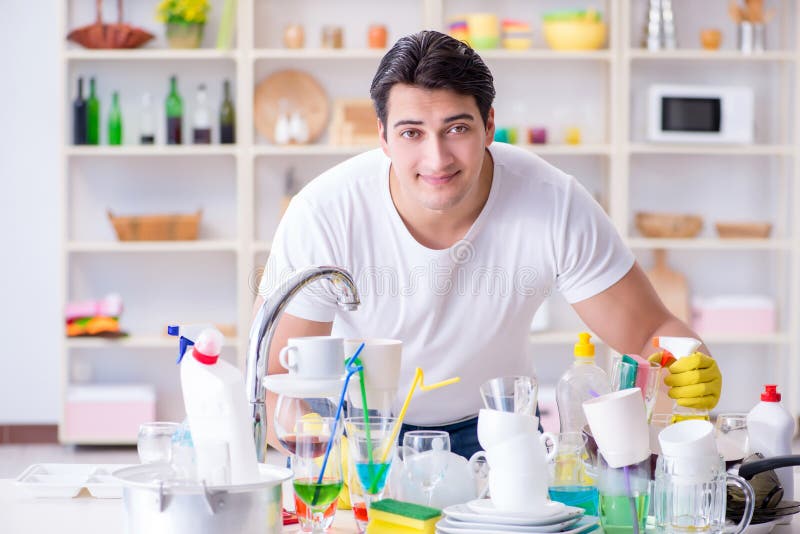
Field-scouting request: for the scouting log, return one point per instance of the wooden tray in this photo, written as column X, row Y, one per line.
column 354, row 123
column 301, row 91
column 732, row 230
column 668, row 225
column 166, row 227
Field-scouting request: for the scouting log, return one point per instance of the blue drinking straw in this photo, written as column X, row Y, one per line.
column 351, row 370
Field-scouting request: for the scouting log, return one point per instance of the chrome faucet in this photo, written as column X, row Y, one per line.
column 263, row 329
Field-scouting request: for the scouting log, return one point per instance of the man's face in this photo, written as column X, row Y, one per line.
column 436, row 140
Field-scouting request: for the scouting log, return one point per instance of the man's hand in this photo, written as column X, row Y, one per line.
column 694, row 381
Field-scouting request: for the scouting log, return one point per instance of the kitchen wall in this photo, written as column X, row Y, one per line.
column 30, row 321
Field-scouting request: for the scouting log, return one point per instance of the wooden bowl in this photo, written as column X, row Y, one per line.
column 732, row 230
column 299, row 92
column 669, row 225
column 157, row 227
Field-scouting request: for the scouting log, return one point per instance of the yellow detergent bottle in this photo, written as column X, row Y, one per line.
column 675, row 348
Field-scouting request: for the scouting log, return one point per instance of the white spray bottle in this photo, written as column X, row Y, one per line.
column 217, row 409
column 676, row 348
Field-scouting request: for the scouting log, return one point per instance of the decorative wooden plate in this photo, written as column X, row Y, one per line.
column 299, row 91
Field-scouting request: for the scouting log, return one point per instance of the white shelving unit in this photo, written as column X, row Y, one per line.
column 239, row 186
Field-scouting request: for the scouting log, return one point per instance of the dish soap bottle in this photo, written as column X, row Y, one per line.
column 583, row 381
column 675, row 348
column 770, row 428
column 217, row 409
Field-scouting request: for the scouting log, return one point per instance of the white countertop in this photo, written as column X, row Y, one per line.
column 20, row 514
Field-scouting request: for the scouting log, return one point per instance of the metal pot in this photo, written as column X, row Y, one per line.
column 156, row 503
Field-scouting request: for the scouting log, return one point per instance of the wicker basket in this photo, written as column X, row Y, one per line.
column 668, row 225
column 156, row 227
column 734, row 230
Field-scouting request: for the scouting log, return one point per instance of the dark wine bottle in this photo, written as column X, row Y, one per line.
column 227, row 118
column 92, row 116
column 79, row 117
column 174, row 114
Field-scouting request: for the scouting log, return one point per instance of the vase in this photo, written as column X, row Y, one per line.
column 184, row 35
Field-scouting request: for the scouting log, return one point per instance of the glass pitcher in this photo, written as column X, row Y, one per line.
column 690, row 493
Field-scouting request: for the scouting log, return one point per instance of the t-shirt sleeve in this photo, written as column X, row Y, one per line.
column 300, row 241
column 590, row 254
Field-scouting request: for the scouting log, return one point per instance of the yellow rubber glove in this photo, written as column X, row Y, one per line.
column 694, row 381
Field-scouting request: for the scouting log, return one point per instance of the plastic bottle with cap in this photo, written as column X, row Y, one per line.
column 770, row 428
column 217, row 409
column 582, row 381
column 675, row 348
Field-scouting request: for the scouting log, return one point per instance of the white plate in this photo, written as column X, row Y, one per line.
column 285, row 384
column 545, row 511
column 585, row 524
column 452, row 523
column 462, row 512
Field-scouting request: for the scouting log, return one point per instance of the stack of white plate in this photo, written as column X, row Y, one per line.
column 481, row 517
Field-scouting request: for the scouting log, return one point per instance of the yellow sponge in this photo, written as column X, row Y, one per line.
column 376, row 526
column 403, row 515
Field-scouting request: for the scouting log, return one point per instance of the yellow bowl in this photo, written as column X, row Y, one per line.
column 574, row 34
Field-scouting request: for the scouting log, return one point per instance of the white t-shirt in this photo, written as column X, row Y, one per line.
column 464, row 311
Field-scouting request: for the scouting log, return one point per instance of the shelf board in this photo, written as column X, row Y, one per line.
column 711, row 150
column 709, row 244
column 133, row 342
column 547, row 54
column 100, row 440
column 150, row 150
column 262, row 246
column 318, row 53
column 139, row 54
column 568, row 150
column 709, row 55
column 310, row 150
column 152, row 246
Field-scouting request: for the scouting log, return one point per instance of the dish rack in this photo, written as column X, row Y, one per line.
column 67, row 480
column 157, row 227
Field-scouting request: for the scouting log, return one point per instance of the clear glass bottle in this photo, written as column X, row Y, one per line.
column 147, row 122
column 201, row 118
column 583, row 381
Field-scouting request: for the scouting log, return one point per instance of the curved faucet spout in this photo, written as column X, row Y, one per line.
column 263, row 329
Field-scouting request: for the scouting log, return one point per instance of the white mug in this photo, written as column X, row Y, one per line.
column 313, row 357
column 495, row 427
column 381, row 359
column 517, row 493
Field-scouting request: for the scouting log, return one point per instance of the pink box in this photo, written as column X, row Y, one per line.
column 750, row 314
column 107, row 413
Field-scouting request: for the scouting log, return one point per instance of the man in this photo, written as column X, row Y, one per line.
column 454, row 242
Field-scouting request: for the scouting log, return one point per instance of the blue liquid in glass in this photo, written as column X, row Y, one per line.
column 586, row 497
column 367, row 473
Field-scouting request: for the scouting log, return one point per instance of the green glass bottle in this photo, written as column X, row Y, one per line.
column 227, row 118
column 174, row 114
column 92, row 116
column 115, row 121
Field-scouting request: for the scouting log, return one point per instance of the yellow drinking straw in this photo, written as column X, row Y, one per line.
column 419, row 378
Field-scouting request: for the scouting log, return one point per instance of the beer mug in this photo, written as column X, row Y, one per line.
column 690, row 494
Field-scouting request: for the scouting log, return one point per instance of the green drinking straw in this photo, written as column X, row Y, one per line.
column 365, row 409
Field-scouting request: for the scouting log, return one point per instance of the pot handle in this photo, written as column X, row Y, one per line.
column 750, row 469
column 749, row 503
column 214, row 500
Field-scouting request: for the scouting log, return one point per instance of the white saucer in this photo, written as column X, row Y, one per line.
column 543, row 511
column 285, row 384
column 450, row 526
column 463, row 512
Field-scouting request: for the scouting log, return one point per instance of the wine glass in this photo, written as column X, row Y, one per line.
column 425, row 454
column 317, row 467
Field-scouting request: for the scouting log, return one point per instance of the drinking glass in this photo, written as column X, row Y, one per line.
column 624, row 375
column 371, row 451
column 425, row 455
column 516, row 394
column 624, row 496
column 154, row 442
column 730, row 431
column 317, row 479
column 569, row 480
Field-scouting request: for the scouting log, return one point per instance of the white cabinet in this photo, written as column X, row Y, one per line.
column 240, row 187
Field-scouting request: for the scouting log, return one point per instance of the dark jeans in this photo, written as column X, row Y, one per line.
column 463, row 435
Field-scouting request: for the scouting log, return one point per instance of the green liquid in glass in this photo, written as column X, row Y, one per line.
column 615, row 513
column 317, row 495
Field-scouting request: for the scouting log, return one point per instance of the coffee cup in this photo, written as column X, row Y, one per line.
column 618, row 422
column 517, row 493
column 496, row 427
column 313, row 357
column 688, row 439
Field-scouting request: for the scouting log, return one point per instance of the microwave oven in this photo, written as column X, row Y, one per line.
column 700, row 114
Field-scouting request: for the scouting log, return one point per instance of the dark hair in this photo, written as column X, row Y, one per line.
column 433, row 60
